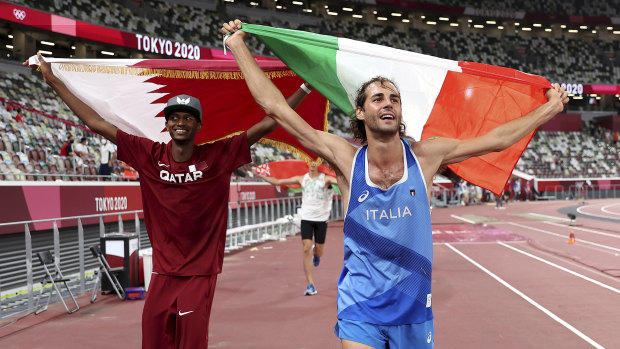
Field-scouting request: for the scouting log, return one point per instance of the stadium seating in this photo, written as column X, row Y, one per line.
column 557, row 7
column 597, row 63
column 570, row 155
column 30, row 151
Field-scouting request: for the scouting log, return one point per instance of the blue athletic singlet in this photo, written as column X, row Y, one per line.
column 388, row 248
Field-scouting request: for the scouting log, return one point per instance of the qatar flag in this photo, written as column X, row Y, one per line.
column 132, row 93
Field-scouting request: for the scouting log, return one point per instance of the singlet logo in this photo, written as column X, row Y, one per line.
column 388, row 214
column 430, row 337
column 363, row 197
column 162, row 164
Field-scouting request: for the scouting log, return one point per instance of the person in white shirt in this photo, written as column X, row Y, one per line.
column 314, row 214
column 81, row 153
column 108, row 154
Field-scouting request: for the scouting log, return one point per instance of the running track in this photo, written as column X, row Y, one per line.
column 501, row 279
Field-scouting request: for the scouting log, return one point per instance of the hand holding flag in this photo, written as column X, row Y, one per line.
column 441, row 98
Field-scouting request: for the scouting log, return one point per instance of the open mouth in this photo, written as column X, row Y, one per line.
column 387, row 116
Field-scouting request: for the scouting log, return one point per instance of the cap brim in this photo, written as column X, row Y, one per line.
column 170, row 109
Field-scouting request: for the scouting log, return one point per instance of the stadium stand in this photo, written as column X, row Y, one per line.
column 592, row 61
column 569, row 155
column 580, row 7
column 597, row 61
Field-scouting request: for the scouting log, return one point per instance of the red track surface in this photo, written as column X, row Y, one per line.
column 536, row 290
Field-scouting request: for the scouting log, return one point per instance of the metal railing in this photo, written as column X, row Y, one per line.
column 576, row 192
column 248, row 222
column 70, row 177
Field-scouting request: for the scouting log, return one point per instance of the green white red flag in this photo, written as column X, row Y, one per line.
column 440, row 97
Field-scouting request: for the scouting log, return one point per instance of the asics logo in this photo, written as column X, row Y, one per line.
column 162, row 164
column 181, row 313
column 183, row 101
column 19, row 14
column 363, row 197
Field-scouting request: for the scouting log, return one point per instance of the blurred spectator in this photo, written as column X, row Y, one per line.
column 516, row 187
column 19, row 117
column 67, row 148
column 108, row 154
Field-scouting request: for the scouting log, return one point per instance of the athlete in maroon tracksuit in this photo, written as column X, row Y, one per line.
column 185, row 194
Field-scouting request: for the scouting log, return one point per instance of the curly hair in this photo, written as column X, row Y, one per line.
column 358, row 130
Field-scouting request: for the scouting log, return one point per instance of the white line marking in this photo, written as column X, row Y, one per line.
column 463, row 219
column 561, row 268
column 570, row 262
column 564, row 236
column 544, row 215
column 586, row 229
column 604, row 209
column 593, row 215
column 529, row 300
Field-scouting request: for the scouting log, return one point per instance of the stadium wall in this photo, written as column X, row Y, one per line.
column 564, row 123
column 611, row 122
column 27, row 201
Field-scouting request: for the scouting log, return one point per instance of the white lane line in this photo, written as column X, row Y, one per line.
column 598, row 283
column 586, row 229
column 592, row 214
column 564, row 236
column 463, row 219
column 552, row 217
column 604, row 209
column 575, row 265
column 529, row 300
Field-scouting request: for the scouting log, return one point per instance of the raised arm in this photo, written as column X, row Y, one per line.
column 268, row 125
column 283, row 181
column 440, row 151
column 88, row 116
column 329, row 180
column 334, row 149
column 505, row 135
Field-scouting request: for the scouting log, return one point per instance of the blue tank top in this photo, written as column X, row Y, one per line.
column 388, row 248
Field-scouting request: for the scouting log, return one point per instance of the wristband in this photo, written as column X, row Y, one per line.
column 305, row 88
column 224, row 42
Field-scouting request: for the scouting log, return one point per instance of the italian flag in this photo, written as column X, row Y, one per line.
column 132, row 93
column 440, row 97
